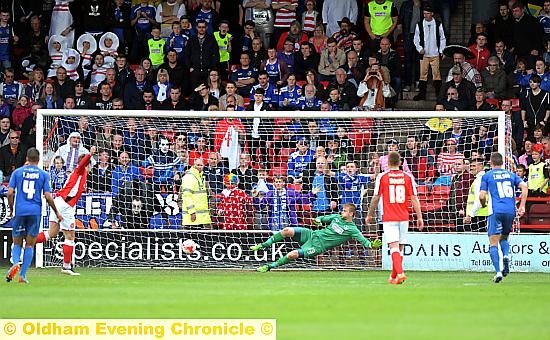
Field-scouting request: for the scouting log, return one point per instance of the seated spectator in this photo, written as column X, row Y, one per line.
column 309, row 101
column 5, row 130
column 298, row 161
column 271, row 92
column 389, row 58
column 541, row 70
column 71, row 63
column 124, row 172
column 49, row 99
column 230, row 90
column 295, row 35
column 336, row 157
column 468, row 71
column 81, row 98
column 72, row 150
column 480, row 51
column 373, row 90
column 466, row 89
column 281, row 204
column 103, row 138
column 86, row 45
column 336, row 102
column 165, row 164
column 108, row 47
column 58, row 174
column 134, row 89
column 101, row 176
column 162, row 86
column 245, row 76
column 454, row 103
column 305, row 59
column 148, row 69
column 289, row 94
column 481, row 104
column 287, row 54
column 346, row 88
column 445, row 162
column 319, row 39
column 214, row 83
column 201, row 99
column 494, row 79
column 21, row 112
column 276, row 69
column 175, row 102
column 35, row 87
column 482, row 142
column 331, row 59
column 104, row 99
column 12, row 155
column 355, row 69
column 257, row 54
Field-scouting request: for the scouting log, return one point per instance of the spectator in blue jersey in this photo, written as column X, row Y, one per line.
column 7, row 37
column 281, row 203
column 142, row 19
column 298, row 161
column 290, row 94
column 245, row 76
column 206, row 13
column 276, row 69
column 350, row 184
column 271, row 93
column 125, row 171
column 309, row 102
column 249, row 34
column 10, row 89
column 501, row 185
column 133, row 140
column 119, row 19
column 165, row 165
column 177, row 41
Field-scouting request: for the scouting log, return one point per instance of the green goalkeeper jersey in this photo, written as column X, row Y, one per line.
column 338, row 231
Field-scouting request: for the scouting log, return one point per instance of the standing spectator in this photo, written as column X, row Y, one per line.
column 165, row 164
column 156, row 46
column 445, row 162
column 92, row 16
column 142, row 19
column 259, row 12
column 71, row 151
column 214, row 173
column 10, row 89
column 380, row 21
column 335, row 10
column 257, row 53
column 64, row 87
column 12, row 156
column 201, row 54
column 224, row 40
column 410, row 14
column 119, row 19
column 235, row 207
column 299, row 160
column 344, row 37
column 287, row 54
column 429, row 40
column 101, row 175
column 276, row 69
column 175, row 69
column 310, row 17
column 194, row 198
column 247, row 175
column 133, row 140
column 527, row 34
column 285, row 14
column 535, row 106
column 318, row 182
column 7, row 38
column 126, row 171
column 503, row 25
column 167, row 12
column 390, row 59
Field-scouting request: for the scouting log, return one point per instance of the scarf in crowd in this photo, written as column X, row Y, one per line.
column 280, row 209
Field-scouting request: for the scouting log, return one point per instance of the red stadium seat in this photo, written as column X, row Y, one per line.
column 297, row 187
column 362, row 124
column 515, row 104
column 246, row 101
column 301, row 83
column 423, row 190
column 325, row 83
column 358, row 139
column 441, row 192
column 493, row 101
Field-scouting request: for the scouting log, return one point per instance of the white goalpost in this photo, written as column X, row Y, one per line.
column 134, row 219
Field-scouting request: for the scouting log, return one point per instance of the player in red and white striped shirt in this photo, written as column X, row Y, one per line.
column 395, row 188
column 65, row 201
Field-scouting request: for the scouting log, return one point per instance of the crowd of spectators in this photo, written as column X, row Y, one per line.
column 263, row 55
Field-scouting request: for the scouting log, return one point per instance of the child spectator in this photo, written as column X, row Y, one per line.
column 58, row 173
column 235, row 209
column 156, row 48
column 538, row 174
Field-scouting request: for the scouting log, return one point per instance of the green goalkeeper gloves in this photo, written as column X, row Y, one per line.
column 317, row 222
column 376, row 244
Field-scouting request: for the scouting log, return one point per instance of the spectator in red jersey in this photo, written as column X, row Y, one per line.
column 396, row 188
column 235, row 209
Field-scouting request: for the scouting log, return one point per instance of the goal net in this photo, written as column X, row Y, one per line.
column 288, row 168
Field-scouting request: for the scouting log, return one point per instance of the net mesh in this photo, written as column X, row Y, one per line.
column 141, row 163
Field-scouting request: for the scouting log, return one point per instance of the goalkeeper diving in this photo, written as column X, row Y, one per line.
column 340, row 229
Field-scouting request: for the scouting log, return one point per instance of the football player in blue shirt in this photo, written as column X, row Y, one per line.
column 501, row 185
column 28, row 182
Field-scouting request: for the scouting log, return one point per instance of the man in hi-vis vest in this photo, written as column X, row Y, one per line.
column 475, row 213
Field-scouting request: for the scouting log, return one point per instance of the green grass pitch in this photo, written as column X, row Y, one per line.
column 307, row 304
